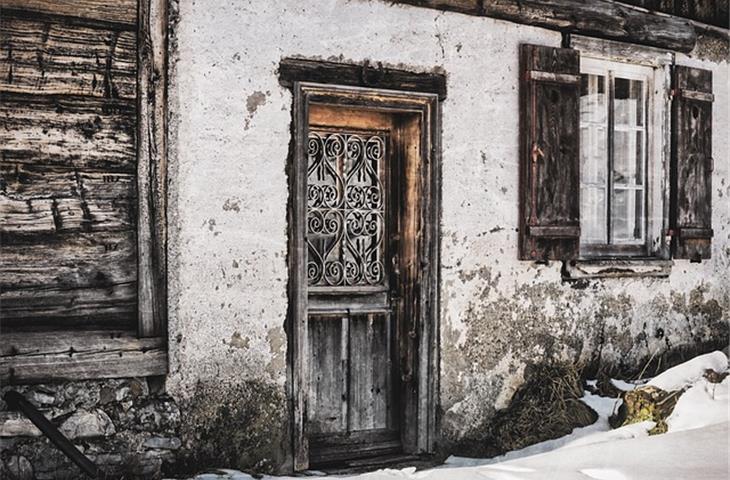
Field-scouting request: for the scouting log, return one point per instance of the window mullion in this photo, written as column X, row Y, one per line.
column 610, row 148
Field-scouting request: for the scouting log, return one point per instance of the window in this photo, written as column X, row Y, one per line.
column 606, row 174
column 613, row 158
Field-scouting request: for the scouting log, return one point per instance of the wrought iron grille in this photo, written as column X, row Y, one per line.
column 345, row 209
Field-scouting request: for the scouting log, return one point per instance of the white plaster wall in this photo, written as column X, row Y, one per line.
column 230, row 124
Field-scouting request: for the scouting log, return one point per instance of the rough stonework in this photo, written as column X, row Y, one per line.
column 129, row 427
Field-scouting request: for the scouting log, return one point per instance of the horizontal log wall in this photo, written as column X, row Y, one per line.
column 68, row 184
column 33, row 357
column 598, row 18
column 713, row 12
column 53, row 57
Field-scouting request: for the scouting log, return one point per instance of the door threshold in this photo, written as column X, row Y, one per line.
column 393, row 461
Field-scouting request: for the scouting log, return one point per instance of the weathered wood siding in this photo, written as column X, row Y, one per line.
column 68, row 192
column 597, row 18
column 714, row 12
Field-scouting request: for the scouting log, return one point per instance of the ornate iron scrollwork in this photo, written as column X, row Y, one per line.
column 345, row 209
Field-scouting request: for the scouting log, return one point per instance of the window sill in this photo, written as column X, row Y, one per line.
column 586, row 269
column 33, row 357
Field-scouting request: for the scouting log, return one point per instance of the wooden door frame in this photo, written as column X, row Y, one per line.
column 422, row 432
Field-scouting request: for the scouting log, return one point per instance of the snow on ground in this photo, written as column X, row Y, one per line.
column 690, row 371
column 696, row 446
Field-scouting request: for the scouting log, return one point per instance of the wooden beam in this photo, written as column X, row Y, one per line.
column 713, row 12
column 365, row 75
column 152, row 167
column 597, row 18
column 122, row 12
column 54, row 57
column 69, row 279
column 30, row 357
column 69, row 131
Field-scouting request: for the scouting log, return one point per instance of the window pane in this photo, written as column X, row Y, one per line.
column 628, row 102
column 593, row 215
column 628, row 157
column 593, row 98
column 593, row 155
column 594, row 159
column 627, row 215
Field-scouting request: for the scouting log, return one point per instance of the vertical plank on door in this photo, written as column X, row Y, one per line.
column 328, row 345
column 370, row 402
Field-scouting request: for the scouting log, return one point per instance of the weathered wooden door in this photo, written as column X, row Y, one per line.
column 353, row 286
column 363, row 290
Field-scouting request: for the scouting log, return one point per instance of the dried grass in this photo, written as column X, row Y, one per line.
column 546, row 406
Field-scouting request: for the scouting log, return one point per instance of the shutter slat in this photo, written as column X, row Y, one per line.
column 549, row 163
column 692, row 165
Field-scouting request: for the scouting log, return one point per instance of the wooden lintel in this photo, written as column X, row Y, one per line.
column 120, row 13
column 32, row 357
column 597, row 18
column 364, row 75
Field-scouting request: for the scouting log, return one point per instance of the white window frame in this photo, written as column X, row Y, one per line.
column 654, row 70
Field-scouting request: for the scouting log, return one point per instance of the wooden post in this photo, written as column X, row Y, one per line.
column 152, row 167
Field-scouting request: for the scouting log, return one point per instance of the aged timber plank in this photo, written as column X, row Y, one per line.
column 28, row 218
column 301, row 70
column 78, row 132
column 110, row 362
column 713, row 12
column 68, row 280
column 598, row 18
column 30, row 182
column 49, row 57
column 370, row 393
column 111, row 305
column 328, row 399
column 76, row 201
column 123, row 12
column 29, row 344
column 152, row 168
column 68, row 261
column 31, row 217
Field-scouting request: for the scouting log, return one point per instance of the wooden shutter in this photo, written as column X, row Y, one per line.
column 691, row 171
column 549, row 156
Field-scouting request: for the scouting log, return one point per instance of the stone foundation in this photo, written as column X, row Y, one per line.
column 128, row 427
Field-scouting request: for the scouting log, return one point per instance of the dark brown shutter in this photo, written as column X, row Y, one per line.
column 691, row 171
column 549, row 155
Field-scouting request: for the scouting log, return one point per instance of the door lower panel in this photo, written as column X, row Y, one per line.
column 335, row 449
column 352, row 411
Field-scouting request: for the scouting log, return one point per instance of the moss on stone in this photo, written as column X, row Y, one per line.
column 242, row 426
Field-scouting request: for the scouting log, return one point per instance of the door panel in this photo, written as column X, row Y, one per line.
column 328, row 345
column 371, row 405
column 351, row 373
column 352, row 399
